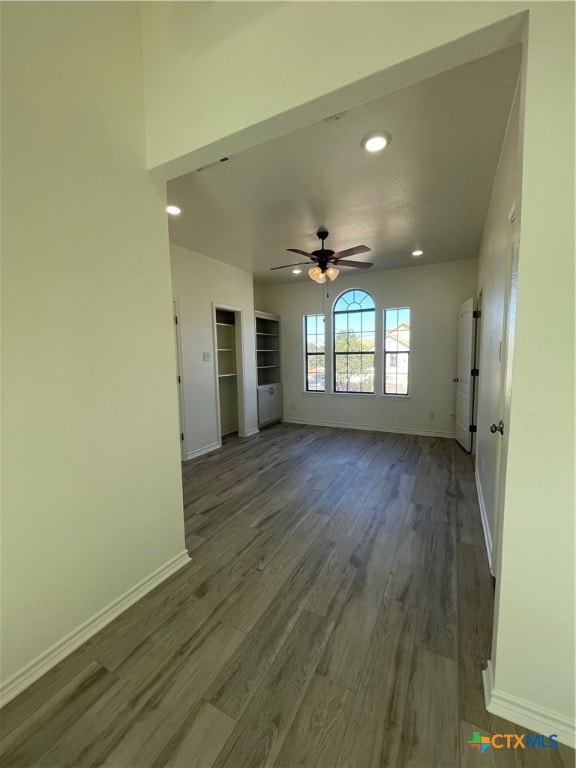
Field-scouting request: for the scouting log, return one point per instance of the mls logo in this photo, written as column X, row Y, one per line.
column 481, row 743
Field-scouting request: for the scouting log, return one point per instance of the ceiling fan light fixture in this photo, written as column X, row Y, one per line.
column 332, row 273
column 376, row 141
column 317, row 275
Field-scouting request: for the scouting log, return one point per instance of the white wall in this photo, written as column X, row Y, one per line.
column 433, row 293
column 81, row 211
column 197, row 283
column 91, row 492
column 245, row 47
column 534, row 647
column 241, row 53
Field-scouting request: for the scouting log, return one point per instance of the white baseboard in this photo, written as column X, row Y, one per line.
column 370, row 427
column 19, row 681
column 526, row 714
column 488, row 682
column 250, row 432
column 202, row 451
column 484, row 518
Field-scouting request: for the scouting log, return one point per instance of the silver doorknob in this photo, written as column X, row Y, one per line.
column 499, row 428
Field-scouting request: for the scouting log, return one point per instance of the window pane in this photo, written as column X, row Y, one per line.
column 391, row 342
column 396, row 341
column 340, row 322
column 367, row 344
column 341, row 373
column 402, row 384
column 315, row 343
column 354, row 334
column 390, row 375
column 316, row 373
column 404, row 316
column 368, row 321
column 367, row 373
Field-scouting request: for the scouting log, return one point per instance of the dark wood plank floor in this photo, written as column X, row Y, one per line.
column 337, row 612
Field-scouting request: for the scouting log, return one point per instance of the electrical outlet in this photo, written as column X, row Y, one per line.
column 432, row 414
column 293, row 406
column 206, row 357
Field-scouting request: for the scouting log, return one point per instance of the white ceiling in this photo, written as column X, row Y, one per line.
column 429, row 189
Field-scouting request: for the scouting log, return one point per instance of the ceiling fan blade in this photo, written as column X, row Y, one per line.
column 297, row 250
column 285, row 266
column 357, row 264
column 351, row 251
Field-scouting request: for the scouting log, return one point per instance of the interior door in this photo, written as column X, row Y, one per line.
column 183, row 455
column 464, row 391
column 491, row 447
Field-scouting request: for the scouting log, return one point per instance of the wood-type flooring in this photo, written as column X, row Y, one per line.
column 336, row 612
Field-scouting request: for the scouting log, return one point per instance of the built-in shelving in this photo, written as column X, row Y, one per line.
column 268, row 363
column 267, row 349
column 226, row 330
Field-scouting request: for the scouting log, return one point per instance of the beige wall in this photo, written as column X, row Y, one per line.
column 221, row 70
column 433, row 293
column 197, row 283
column 91, row 494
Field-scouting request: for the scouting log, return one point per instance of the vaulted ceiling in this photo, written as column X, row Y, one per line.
column 428, row 190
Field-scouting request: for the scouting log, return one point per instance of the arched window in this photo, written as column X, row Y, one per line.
column 354, row 331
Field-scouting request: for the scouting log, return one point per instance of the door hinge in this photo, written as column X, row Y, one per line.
column 182, row 436
column 477, row 313
column 179, row 380
column 474, row 372
column 472, row 428
column 175, row 319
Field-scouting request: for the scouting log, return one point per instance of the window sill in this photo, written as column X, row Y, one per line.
column 398, row 397
column 354, row 394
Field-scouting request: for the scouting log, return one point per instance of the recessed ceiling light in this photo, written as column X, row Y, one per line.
column 376, row 141
column 417, row 253
column 296, row 271
column 173, row 210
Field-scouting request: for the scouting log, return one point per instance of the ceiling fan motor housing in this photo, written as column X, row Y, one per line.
column 323, row 254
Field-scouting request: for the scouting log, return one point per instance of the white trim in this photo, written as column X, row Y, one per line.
column 201, row 451
column 250, row 432
column 488, row 682
column 32, row 671
column 484, row 518
column 525, row 713
column 370, row 427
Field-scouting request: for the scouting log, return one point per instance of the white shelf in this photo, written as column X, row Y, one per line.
column 268, row 366
column 259, row 333
column 225, row 349
column 225, row 375
column 227, row 325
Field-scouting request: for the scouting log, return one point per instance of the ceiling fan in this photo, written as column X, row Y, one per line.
column 324, row 259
